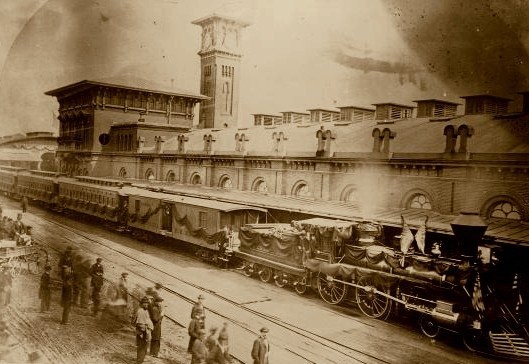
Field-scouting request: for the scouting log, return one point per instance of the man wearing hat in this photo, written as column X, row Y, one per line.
column 123, row 286
column 45, row 289
column 144, row 327
column 96, row 271
column 261, row 348
column 156, row 314
column 199, row 311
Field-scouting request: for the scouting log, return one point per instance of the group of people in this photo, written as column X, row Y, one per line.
column 78, row 280
column 211, row 350
column 15, row 230
column 148, row 320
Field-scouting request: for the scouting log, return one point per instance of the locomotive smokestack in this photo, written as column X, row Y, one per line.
column 469, row 229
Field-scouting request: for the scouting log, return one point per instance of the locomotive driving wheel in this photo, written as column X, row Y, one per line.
column 331, row 291
column 265, row 273
column 370, row 303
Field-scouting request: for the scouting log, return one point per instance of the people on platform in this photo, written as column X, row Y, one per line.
column 199, row 310
column 24, row 204
column 193, row 330
column 96, row 272
column 144, row 327
column 261, row 348
column 199, row 351
column 156, row 314
column 219, row 353
column 212, row 338
column 66, row 297
column 45, row 289
column 66, row 262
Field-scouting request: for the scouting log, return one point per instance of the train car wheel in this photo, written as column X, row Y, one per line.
column 370, row 303
column 429, row 327
column 248, row 270
column 473, row 340
column 265, row 273
column 301, row 286
column 280, row 279
column 331, row 291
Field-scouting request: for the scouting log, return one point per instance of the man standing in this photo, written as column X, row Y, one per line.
column 66, row 298
column 199, row 311
column 194, row 332
column 24, row 204
column 156, row 314
column 66, row 262
column 96, row 271
column 123, row 286
column 261, row 348
column 143, row 330
column 45, row 290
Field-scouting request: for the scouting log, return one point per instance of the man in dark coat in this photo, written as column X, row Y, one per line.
column 24, row 204
column 66, row 262
column 66, row 298
column 261, row 348
column 156, row 313
column 45, row 290
column 96, row 272
column 143, row 330
column 194, row 331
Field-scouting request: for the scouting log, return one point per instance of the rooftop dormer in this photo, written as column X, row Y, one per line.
column 434, row 108
column 485, row 104
column 392, row 111
column 267, row 119
column 321, row 115
column 356, row 113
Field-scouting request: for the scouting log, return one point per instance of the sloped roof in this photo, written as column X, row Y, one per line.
column 417, row 135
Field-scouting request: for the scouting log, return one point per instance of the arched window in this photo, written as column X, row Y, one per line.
column 149, row 175
column 301, row 189
column 123, row 172
column 196, row 179
column 504, row 210
column 350, row 196
column 226, row 183
column 260, row 186
column 171, row 177
column 420, row 201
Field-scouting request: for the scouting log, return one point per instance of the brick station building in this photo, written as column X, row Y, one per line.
column 359, row 160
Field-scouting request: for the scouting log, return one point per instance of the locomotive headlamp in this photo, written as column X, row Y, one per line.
column 469, row 229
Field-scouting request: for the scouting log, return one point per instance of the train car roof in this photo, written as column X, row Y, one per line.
column 328, row 223
column 76, row 182
column 195, row 201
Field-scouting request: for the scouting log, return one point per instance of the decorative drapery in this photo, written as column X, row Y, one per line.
column 183, row 222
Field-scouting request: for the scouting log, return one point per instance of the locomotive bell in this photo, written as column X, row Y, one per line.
column 468, row 229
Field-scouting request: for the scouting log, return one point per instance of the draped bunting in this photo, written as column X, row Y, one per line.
column 220, row 237
column 150, row 212
column 406, row 237
column 420, row 235
column 285, row 248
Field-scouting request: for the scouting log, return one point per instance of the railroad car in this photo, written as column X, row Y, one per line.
column 209, row 225
column 9, row 180
column 97, row 197
column 41, row 186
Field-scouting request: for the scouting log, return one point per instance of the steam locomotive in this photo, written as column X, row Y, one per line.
column 467, row 285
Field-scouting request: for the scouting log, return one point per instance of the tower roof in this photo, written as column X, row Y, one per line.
column 208, row 19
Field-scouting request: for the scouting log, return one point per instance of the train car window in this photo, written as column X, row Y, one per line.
column 202, row 219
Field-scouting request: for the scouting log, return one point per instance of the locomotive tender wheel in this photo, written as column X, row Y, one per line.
column 370, row 303
column 248, row 270
column 279, row 279
column 265, row 273
column 331, row 291
column 429, row 327
column 301, row 286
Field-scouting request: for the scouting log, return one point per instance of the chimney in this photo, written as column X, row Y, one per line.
column 141, row 144
column 160, row 141
column 325, row 142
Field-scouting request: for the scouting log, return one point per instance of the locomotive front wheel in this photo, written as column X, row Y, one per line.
column 370, row 303
column 330, row 290
column 301, row 286
column 429, row 327
column 279, row 279
column 474, row 340
column 265, row 273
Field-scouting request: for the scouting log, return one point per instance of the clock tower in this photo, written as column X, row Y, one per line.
column 220, row 59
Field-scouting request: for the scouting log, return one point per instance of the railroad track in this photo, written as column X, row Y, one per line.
column 315, row 344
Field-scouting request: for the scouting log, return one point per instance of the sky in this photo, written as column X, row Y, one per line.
column 297, row 54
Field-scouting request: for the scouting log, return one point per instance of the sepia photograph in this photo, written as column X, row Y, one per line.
column 264, row 181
